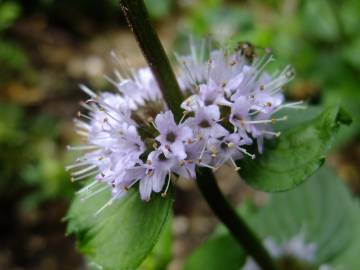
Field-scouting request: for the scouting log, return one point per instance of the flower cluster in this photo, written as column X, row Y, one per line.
column 296, row 249
column 131, row 136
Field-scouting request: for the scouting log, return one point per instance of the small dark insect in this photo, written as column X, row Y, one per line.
column 247, row 49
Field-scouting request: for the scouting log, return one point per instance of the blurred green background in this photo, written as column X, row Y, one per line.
column 48, row 47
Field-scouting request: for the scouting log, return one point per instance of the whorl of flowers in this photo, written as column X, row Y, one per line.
column 131, row 136
column 295, row 248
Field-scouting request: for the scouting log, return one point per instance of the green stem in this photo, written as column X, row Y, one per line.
column 236, row 225
column 138, row 19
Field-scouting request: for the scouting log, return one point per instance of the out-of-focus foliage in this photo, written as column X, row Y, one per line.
column 13, row 60
column 9, row 12
column 159, row 8
column 83, row 18
column 29, row 157
column 90, row 15
column 219, row 20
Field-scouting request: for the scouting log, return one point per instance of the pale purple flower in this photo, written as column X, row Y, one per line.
column 140, row 89
column 229, row 148
column 186, row 168
column 158, row 166
column 196, row 74
column 226, row 69
column 195, row 66
column 172, row 137
column 205, row 123
column 295, row 248
column 263, row 102
column 210, row 94
column 240, row 110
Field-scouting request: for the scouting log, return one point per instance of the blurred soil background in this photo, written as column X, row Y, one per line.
column 48, row 47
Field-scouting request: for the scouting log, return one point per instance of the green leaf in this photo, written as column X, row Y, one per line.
column 325, row 29
column 298, row 153
column 123, row 234
column 161, row 254
column 218, row 252
column 347, row 92
column 9, row 12
column 322, row 209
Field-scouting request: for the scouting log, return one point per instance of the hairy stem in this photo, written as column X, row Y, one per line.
column 235, row 224
column 138, row 19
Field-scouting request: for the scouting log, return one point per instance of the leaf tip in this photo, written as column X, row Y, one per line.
column 343, row 117
column 322, row 161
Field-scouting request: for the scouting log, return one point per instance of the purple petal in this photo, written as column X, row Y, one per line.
column 145, row 188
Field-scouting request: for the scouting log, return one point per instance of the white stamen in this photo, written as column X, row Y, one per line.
column 273, row 121
column 253, row 156
column 82, row 133
column 75, row 165
column 276, row 134
column 208, row 166
column 86, row 106
column 291, row 105
column 88, row 196
column 82, row 147
column 87, row 90
column 90, row 174
column 234, row 164
column 111, row 81
column 84, row 170
column 167, row 185
column 84, row 116
column 87, row 187
column 109, row 202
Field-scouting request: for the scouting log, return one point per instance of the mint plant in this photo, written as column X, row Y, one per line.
column 224, row 108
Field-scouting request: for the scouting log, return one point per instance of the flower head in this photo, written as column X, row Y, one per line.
column 132, row 138
column 295, row 249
